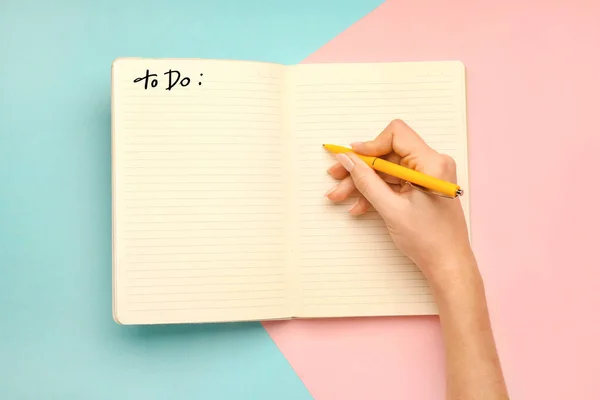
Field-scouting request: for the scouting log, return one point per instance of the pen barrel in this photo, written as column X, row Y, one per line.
column 418, row 178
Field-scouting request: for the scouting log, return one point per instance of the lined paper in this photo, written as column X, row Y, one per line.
column 345, row 265
column 199, row 193
column 219, row 211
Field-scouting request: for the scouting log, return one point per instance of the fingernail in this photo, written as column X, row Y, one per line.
column 353, row 206
column 355, row 144
column 331, row 190
column 346, row 162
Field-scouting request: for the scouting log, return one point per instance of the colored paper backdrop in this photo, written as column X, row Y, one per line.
column 532, row 88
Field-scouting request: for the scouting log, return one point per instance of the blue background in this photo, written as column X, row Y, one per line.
column 57, row 336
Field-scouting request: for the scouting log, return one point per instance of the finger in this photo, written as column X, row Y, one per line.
column 396, row 137
column 337, row 171
column 342, row 190
column 402, row 188
column 360, row 206
column 393, row 157
column 372, row 187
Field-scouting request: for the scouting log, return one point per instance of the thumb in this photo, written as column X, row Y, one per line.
column 367, row 182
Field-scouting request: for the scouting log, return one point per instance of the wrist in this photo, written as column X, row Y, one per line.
column 454, row 276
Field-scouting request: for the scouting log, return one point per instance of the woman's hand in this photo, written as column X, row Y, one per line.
column 429, row 229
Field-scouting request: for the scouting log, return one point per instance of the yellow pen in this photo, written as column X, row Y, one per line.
column 416, row 179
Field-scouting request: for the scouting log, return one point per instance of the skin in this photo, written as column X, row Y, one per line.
column 431, row 231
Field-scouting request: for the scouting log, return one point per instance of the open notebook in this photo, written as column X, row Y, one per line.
column 219, row 178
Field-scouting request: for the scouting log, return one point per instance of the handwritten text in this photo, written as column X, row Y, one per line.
column 172, row 80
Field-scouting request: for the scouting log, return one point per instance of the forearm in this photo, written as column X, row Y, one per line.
column 472, row 363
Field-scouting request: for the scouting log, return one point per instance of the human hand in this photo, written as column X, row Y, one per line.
column 429, row 229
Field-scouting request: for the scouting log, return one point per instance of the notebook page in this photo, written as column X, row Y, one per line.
column 349, row 266
column 198, row 192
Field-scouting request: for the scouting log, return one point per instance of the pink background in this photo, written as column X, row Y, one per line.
column 533, row 104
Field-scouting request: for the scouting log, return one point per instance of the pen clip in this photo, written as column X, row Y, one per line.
column 459, row 192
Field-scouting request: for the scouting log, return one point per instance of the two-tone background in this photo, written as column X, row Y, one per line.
column 533, row 97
